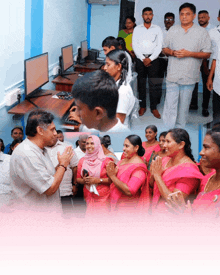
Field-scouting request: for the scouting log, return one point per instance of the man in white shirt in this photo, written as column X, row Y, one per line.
column 215, row 72
column 203, row 20
column 67, row 186
column 81, row 149
column 169, row 20
column 185, row 45
column 147, row 44
column 5, row 181
column 35, row 182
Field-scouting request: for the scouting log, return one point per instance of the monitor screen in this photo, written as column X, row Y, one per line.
column 84, row 49
column 36, row 72
column 67, row 57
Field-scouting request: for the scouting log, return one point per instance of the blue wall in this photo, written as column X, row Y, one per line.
column 104, row 22
column 30, row 28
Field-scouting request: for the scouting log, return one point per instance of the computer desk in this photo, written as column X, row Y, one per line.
column 64, row 84
column 57, row 106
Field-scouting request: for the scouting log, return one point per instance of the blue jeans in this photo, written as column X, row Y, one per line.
column 176, row 106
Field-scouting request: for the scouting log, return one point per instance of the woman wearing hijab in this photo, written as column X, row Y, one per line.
column 91, row 172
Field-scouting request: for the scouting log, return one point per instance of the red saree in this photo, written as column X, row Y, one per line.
column 135, row 176
column 184, row 177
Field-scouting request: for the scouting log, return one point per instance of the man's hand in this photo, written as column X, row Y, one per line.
column 75, row 189
column 65, row 158
column 147, row 62
column 182, row 53
column 209, row 84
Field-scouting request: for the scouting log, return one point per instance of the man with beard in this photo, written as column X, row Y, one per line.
column 147, row 44
column 35, row 181
column 203, row 20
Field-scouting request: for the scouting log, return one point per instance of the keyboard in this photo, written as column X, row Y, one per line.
column 65, row 95
column 65, row 118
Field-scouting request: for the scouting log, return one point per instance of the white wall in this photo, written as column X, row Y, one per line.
column 160, row 7
column 104, row 22
column 11, row 44
column 65, row 22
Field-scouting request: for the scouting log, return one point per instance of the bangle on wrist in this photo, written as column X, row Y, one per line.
column 61, row 165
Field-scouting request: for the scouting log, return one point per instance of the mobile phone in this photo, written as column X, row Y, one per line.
column 85, row 173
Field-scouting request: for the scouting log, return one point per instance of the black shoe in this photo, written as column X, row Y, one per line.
column 205, row 112
column 193, row 107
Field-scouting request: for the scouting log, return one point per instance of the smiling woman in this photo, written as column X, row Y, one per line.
column 177, row 172
column 91, row 172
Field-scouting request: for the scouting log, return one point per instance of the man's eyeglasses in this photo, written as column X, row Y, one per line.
column 169, row 19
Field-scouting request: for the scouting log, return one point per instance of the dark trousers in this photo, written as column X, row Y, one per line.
column 154, row 81
column 216, row 107
column 206, row 92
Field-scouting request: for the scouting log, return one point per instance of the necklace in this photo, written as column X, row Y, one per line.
column 209, row 183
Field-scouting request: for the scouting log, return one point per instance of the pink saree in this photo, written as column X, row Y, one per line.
column 184, row 177
column 95, row 202
column 149, row 151
column 207, row 203
column 135, row 176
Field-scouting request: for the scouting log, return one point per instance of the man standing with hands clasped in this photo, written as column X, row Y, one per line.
column 186, row 45
column 147, row 44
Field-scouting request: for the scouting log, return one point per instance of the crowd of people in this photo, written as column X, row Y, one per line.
column 45, row 172
column 178, row 54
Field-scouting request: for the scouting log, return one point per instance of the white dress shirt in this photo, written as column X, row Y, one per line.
column 32, row 173
column 66, row 183
column 147, row 41
column 5, row 181
column 80, row 154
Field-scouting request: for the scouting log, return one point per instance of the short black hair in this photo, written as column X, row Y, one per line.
column 37, row 118
column 188, row 5
column 169, row 14
column 203, row 11
column 146, row 9
column 110, row 41
column 59, row 132
column 17, row 127
column 3, row 145
column 219, row 13
column 97, row 89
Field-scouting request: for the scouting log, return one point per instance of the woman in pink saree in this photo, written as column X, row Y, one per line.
column 91, row 172
column 129, row 188
column 208, row 200
column 151, row 145
column 177, row 172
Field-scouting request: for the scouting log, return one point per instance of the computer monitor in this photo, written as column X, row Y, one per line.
column 84, row 49
column 36, row 74
column 67, row 57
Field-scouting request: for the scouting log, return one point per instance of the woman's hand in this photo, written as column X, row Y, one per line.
column 176, row 203
column 91, row 180
column 156, row 168
column 111, row 169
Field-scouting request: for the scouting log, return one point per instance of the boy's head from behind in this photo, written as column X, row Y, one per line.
column 109, row 44
column 96, row 98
